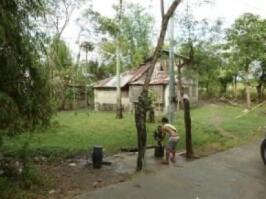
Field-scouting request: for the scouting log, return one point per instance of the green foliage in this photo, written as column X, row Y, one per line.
column 225, row 76
column 20, row 174
column 87, row 47
column 246, row 41
column 10, row 117
column 23, row 77
column 79, row 133
column 61, row 69
column 102, row 24
column 245, row 50
column 136, row 28
column 97, row 72
column 59, row 55
column 9, row 189
column 16, row 187
column 207, row 62
column 134, row 38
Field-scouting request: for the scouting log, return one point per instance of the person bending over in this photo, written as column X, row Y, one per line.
column 171, row 132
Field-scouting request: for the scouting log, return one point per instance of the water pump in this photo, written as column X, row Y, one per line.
column 159, row 137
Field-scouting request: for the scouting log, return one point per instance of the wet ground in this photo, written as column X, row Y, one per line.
column 75, row 176
column 236, row 173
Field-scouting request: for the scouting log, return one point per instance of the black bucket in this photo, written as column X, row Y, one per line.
column 159, row 151
column 97, row 157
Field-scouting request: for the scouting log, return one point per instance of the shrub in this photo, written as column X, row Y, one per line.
column 10, row 118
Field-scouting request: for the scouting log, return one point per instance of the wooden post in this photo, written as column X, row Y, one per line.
column 187, row 120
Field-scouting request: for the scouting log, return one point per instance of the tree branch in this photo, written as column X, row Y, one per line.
column 186, row 60
column 162, row 8
column 141, row 106
column 68, row 12
column 156, row 53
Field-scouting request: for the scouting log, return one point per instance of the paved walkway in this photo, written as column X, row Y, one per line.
column 234, row 174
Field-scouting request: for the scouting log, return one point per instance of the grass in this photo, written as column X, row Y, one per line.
column 213, row 126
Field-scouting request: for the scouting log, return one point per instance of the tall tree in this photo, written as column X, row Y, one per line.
column 24, row 87
column 87, row 47
column 136, row 28
column 135, row 39
column 143, row 103
column 59, row 55
column 205, row 38
column 260, row 75
column 125, row 37
column 119, row 107
column 61, row 70
column 59, row 13
column 172, row 91
column 246, row 40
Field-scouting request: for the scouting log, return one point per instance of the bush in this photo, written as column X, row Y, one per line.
column 10, row 118
column 19, row 175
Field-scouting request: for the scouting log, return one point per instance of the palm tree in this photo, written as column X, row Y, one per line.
column 87, row 47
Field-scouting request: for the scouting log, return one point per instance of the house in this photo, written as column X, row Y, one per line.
column 131, row 83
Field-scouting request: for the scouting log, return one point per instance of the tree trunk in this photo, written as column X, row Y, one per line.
column 207, row 88
column 87, row 65
column 172, row 91
column 151, row 118
column 259, row 91
column 140, row 119
column 247, row 87
column 187, row 120
column 260, row 87
column 119, row 110
column 248, row 100
column 141, row 106
column 235, row 86
column 63, row 104
column 180, row 84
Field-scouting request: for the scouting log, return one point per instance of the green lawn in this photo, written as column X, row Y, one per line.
column 214, row 128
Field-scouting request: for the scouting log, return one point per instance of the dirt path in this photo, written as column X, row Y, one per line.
column 237, row 173
column 75, row 176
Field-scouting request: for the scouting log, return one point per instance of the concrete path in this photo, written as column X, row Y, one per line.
column 234, row 174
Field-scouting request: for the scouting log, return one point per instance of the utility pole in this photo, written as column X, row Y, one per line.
column 76, row 73
column 119, row 113
column 172, row 93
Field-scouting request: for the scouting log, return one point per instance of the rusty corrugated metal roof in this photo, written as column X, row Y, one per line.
column 125, row 77
column 133, row 77
column 160, row 77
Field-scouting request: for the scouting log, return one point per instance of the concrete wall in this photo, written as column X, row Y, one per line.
column 190, row 89
column 156, row 90
column 105, row 99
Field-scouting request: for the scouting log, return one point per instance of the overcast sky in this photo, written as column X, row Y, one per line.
column 228, row 10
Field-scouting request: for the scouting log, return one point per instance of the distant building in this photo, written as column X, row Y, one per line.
column 131, row 83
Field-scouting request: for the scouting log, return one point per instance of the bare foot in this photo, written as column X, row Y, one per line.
column 173, row 160
column 165, row 162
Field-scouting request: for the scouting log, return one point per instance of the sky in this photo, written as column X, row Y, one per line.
column 228, row 10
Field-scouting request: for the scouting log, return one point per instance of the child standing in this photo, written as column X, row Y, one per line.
column 171, row 132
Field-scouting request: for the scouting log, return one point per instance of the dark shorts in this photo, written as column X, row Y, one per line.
column 172, row 144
